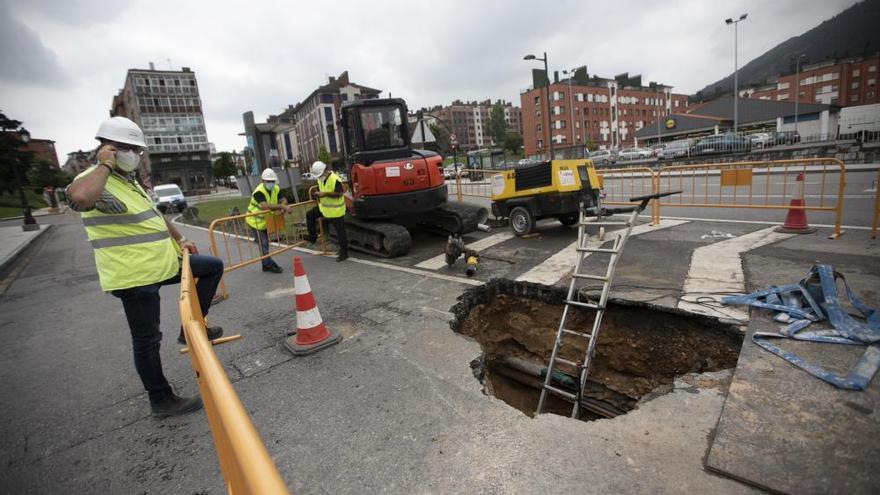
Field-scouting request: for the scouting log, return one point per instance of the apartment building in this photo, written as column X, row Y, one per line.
column 469, row 121
column 584, row 110
column 843, row 82
column 167, row 106
column 315, row 119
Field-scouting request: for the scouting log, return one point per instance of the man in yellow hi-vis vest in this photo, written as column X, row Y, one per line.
column 331, row 206
column 265, row 197
column 136, row 252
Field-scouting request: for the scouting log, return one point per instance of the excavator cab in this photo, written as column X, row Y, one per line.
column 375, row 130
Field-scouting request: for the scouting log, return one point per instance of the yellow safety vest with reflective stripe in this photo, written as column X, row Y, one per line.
column 259, row 221
column 330, row 207
column 134, row 248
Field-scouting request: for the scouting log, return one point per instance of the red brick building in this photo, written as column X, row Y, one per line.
column 843, row 82
column 605, row 112
column 469, row 121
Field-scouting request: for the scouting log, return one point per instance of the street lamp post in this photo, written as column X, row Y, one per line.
column 570, row 74
column 546, row 96
column 735, row 23
column 29, row 223
column 797, row 87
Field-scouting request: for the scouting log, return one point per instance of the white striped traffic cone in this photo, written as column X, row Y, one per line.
column 796, row 219
column 311, row 333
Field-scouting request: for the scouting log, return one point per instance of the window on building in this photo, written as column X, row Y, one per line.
column 872, row 81
column 537, row 100
column 590, row 97
column 856, row 73
column 855, row 85
column 869, row 94
column 854, row 98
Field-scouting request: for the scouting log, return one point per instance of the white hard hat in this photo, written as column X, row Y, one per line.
column 121, row 130
column 318, row 168
column 269, row 175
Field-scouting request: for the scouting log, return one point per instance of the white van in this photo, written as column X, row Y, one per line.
column 169, row 198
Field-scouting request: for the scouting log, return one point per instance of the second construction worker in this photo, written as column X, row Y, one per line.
column 331, row 206
column 265, row 197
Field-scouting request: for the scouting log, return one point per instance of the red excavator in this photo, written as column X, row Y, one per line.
column 393, row 187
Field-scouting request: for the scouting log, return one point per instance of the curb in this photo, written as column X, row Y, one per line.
column 12, row 256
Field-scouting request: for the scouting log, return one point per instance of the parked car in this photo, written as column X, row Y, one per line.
column 169, row 198
column 761, row 139
column 603, row 157
column 677, row 149
column 722, row 143
column 787, row 137
column 657, row 149
column 634, row 154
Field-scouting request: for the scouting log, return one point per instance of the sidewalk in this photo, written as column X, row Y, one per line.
column 13, row 241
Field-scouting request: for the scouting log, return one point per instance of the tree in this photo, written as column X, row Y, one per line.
column 496, row 124
column 43, row 174
column 224, row 166
column 324, row 155
column 441, row 135
column 591, row 146
column 513, row 142
column 10, row 154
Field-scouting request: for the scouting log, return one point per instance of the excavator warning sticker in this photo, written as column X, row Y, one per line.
column 392, row 172
column 566, row 177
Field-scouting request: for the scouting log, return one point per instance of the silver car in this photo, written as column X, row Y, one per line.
column 603, row 157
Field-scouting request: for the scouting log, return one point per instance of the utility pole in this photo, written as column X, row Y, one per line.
column 735, row 23
column 547, row 96
column 797, row 88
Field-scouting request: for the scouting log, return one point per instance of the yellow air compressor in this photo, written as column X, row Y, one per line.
column 549, row 189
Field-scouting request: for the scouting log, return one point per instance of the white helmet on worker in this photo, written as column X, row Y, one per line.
column 269, row 175
column 121, row 130
column 318, row 168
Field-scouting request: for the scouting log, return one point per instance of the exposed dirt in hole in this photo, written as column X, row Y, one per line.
column 641, row 348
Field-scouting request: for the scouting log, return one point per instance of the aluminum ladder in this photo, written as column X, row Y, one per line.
column 590, row 244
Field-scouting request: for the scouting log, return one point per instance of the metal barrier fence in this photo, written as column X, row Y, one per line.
column 232, row 240
column 749, row 185
column 620, row 184
column 244, row 461
column 767, row 185
column 474, row 182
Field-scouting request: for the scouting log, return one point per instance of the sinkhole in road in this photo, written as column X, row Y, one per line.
column 640, row 351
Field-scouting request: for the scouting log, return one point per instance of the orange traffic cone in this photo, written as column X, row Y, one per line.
column 311, row 333
column 796, row 219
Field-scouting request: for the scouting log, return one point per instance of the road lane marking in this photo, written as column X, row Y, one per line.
column 554, row 268
column 439, row 261
column 761, row 222
column 716, row 270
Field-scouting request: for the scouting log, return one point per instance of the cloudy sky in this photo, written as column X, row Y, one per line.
column 61, row 62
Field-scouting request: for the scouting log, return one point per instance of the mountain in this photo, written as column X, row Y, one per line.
column 854, row 31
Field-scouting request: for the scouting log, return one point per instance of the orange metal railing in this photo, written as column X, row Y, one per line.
column 769, row 185
column 244, row 461
column 232, row 239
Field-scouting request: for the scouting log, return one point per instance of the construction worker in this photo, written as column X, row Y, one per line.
column 137, row 252
column 331, row 205
column 265, row 197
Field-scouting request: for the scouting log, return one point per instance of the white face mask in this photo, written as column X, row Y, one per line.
column 269, row 186
column 127, row 160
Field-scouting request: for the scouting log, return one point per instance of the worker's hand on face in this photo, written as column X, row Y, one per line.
column 107, row 154
column 189, row 246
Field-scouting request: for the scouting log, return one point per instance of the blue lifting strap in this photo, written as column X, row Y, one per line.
column 814, row 299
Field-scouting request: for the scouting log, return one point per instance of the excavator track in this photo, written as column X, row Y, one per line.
column 455, row 218
column 387, row 240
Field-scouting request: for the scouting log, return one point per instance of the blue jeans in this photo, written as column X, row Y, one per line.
column 141, row 305
column 261, row 237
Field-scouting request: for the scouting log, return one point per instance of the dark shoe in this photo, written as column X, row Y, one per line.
column 172, row 405
column 342, row 257
column 213, row 333
column 273, row 269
